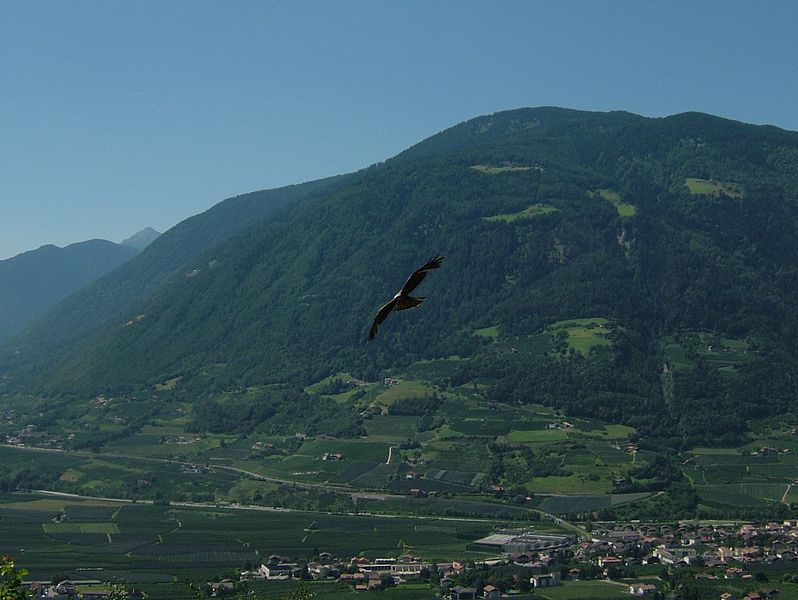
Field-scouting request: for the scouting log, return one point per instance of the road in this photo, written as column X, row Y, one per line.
column 354, row 494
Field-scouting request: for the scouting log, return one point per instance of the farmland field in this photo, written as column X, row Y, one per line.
column 742, row 494
column 586, row 589
column 143, row 539
column 568, row 504
column 104, row 528
column 543, row 435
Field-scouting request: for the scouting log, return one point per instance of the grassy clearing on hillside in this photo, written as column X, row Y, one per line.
column 488, row 332
column 404, row 389
column 712, row 187
column 584, row 334
column 625, row 209
column 721, row 353
column 612, row 431
column 489, row 170
column 320, row 385
column 536, row 210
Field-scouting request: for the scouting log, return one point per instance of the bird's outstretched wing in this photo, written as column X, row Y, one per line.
column 417, row 277
column 382, row 314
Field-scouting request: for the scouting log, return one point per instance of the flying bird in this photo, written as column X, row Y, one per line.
column 403, row 300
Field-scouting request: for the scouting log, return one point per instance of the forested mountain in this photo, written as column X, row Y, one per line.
column 33, row 281
column 678, row 234
column 91, row 306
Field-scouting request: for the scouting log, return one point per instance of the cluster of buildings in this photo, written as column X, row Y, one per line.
column 362, row 573
column 732, row 549
column 721, row 551
column 70, row 590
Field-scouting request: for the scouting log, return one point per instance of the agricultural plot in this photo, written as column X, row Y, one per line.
column 195, row 554
column 537, row 436
column 466, row 454
column 323, row 459
column 337, row 591
column 72, row 527
column 468, row 478
column 120, row 477
column 586, row 504
column 176, row 542
column 377, row 478
column 391, row 427
column 578, row 483
column 427, row 485
column 757, row 474
column 475, row 426
column 742, row 494
column 585, row 589
column 353, row 471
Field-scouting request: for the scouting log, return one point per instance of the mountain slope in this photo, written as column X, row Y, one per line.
column 675, row 234
column 32, row 282
column 91, row 306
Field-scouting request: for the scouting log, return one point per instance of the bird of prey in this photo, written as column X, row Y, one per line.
column 403, row 300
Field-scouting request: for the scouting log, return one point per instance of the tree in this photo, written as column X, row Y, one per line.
column 11, row 580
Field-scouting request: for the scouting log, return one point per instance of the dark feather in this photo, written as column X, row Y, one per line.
column 382, row 314
column 417, row 277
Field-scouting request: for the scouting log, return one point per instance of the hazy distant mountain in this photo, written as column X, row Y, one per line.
column 142, row 239
column 34, row 281
column 674, row 239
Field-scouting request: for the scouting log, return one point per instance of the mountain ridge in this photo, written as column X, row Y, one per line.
column 652, row 225
column 34, row 281
column 87, row 308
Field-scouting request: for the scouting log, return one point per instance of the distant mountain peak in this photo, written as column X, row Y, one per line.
column 141, row 239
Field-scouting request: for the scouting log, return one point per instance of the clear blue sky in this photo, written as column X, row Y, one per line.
column 119, row 115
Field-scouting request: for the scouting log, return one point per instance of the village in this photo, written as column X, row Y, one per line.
column 632, row 559
column 640, row 557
